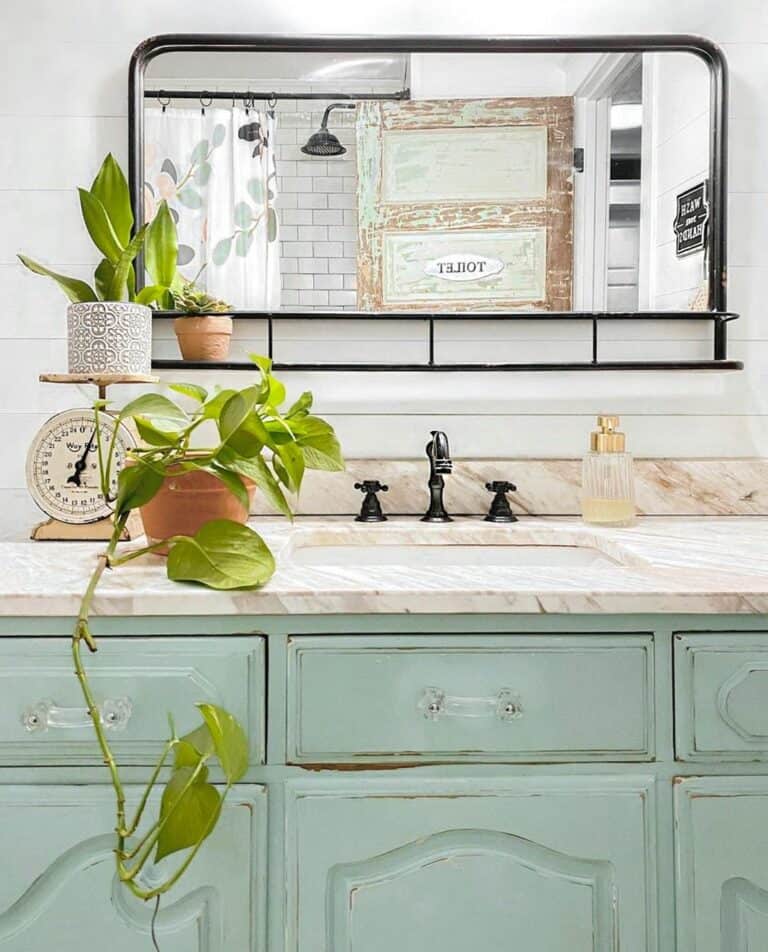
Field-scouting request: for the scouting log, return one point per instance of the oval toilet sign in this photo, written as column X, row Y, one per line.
column 463, row 267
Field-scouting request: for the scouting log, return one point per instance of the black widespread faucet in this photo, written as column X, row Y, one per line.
column 439, row 456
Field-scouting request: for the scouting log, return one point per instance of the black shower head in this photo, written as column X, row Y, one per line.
column 323, row 142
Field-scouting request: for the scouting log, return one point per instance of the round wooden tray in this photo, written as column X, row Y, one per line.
column 98, row 380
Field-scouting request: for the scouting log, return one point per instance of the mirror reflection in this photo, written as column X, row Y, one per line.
column 434, row 182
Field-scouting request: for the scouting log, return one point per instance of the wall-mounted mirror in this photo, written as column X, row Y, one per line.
column 438, row 175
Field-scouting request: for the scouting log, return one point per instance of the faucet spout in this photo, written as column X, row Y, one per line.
column 439, row 456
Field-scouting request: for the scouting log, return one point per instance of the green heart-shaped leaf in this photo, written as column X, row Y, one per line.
column 229, row 741
column 136, row 485
column 188, row 811
column 222, row 555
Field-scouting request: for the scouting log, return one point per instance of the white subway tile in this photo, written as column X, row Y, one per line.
column 316, row 200
column 345, row 265
column 313, row 298
column 333, row 216
column 286, row 200
column 288, row 233
column 299, row 282
column 327, row 183
column 342, row 201
column 298, row 216
column 327, row 249
column 343, row 298
column 313, row 233
column 296, row 183
column 313, row 265
column 329, row 282
column 311, row 167
column 298, row 249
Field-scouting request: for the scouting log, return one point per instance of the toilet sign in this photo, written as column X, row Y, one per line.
column 463, row 267
column 691, row 220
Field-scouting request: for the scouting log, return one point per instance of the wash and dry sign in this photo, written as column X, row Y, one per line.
column 691, row 220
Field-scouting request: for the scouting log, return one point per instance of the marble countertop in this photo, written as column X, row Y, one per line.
column 666, row 564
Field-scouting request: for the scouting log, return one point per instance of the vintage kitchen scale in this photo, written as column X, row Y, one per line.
column 63, row 471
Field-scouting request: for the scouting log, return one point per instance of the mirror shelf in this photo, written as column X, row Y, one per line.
column 433, row 180
column 718, row 319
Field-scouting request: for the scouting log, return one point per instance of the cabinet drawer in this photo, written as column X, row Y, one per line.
column 461, row 698
column 721, row 688
column 136, row 681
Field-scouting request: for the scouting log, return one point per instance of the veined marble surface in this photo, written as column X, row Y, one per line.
column 681, row 565
column 545, row 487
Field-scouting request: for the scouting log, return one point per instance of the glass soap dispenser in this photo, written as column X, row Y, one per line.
column 608, row 479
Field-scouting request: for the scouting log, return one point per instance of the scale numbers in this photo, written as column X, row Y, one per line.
column 63, row 465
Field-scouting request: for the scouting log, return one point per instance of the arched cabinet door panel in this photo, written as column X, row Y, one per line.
column 722, row 875
column 560, row 864
column 59, row 891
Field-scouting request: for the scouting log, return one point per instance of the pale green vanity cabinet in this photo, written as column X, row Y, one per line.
column 453, row 782
column 57, row 888
column 460, row 698
column 722, row 864
column 43, row 720
column 538, row 863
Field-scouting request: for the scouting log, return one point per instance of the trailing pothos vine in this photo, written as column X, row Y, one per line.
column 252, row 440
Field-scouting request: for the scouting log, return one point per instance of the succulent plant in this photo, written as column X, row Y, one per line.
column 193, row 300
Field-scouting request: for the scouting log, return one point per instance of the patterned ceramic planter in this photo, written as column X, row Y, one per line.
column 109, row 337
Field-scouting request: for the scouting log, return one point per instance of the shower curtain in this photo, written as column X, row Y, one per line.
column 216, row 169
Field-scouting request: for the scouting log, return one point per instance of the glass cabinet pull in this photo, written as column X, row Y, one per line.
column 44, row 715
column 504, row 706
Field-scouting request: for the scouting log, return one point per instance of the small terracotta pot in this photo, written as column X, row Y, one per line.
column 204, row 337
column 185, row 502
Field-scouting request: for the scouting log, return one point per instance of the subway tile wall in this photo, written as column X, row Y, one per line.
column 317, row 204
column 63, row 103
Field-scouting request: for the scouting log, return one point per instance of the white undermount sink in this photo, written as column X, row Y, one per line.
column 435, row 555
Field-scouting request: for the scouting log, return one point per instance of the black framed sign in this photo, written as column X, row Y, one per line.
column 691, row 220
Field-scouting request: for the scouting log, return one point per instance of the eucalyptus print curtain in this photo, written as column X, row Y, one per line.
column 216, row 169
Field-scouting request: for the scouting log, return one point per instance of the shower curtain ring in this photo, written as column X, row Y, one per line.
column 272, row 101
column 205, row 100
column 163, row 100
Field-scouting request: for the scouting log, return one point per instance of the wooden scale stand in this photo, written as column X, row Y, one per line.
column 58, row 462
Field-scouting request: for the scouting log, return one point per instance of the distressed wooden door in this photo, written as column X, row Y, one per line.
column 722, row 875
column 58, row 888
column 465, row 204
column 549, row 864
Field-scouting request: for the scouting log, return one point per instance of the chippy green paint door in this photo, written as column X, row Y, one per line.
column 722, row 850
column 57, row 888
column 481, row 862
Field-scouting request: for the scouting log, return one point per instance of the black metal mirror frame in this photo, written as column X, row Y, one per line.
column 704, row 48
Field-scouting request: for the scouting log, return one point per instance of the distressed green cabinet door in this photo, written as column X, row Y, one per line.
column 722, row 850
column 548, row 864
column 57, row 888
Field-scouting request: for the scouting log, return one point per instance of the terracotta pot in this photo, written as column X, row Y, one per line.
column 185, row 502
column 204, row 337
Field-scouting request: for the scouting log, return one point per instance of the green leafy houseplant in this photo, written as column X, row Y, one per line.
column 107, row 214
column 254, row 439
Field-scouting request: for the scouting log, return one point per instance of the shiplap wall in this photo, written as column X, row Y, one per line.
column 676, row 98
column 63, row 105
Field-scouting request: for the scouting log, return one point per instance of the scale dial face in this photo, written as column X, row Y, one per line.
column 63, row 465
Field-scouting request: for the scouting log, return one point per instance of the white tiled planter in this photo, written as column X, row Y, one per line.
column 109, row 337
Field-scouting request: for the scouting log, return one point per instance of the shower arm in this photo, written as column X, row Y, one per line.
column 335, row 105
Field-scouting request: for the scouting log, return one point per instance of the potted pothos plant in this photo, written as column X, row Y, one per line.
column 203, row 328
column 255, row 445
column 109, row 321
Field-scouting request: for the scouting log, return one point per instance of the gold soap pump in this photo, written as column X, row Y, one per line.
column 608, row 479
